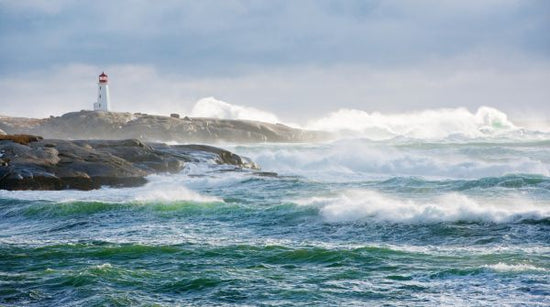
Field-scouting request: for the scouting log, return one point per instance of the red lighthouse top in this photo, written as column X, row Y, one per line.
column 103, row 78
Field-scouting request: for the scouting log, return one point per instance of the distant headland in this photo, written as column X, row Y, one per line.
column 101, row 123
column 155, row 128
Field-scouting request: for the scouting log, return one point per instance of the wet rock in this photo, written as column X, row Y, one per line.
column 89, row 164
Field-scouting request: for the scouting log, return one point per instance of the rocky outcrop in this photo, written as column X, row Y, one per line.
column 154, row 128
column 22, row 139
column 52, row 164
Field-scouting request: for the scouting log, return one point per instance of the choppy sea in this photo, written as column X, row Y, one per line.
column 354, row 222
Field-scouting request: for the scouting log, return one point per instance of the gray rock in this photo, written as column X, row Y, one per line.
column 153, row 128
column 52, row 164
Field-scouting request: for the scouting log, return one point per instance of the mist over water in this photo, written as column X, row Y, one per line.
column 438, row 207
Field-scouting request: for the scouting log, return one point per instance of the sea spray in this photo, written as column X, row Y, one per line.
column 211, row 107
column 371, row 206
column 159, row 188
column 429, row 124
column 361, row 159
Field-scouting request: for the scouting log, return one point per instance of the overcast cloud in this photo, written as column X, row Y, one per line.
column 291, row 58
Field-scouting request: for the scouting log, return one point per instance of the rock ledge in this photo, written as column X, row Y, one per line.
column 33, row 163
column 155, row 128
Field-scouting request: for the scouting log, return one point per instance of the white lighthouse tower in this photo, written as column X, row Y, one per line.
column 102, row 103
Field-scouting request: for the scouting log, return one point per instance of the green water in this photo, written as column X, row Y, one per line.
column 419, row 225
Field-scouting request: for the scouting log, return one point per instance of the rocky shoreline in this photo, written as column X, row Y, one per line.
column 32, row 163
column 155, row 128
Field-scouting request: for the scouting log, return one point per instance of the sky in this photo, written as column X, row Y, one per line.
column 296, row 59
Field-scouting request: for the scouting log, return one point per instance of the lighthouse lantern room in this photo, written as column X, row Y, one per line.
column 102, row 103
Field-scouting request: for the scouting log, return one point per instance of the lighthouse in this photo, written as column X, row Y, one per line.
column 102, row 103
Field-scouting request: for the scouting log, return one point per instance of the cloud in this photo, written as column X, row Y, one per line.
column 206, row 38
column 295, row 59
column 39, row 6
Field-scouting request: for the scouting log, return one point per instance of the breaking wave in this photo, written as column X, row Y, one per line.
column 359, row 159
column 366, row 205
column 428, row 124
column 432, row 124
column 211, row 107
column 520, row 267
column 159, row 188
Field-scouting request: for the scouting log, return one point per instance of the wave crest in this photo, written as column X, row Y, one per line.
column 158, row 188
column 366, row 205
column 431, row 124
column 359, row 159
column 519, row 267
column 211, row 107
column 428, row 124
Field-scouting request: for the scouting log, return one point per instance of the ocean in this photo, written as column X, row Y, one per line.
column 453, row 220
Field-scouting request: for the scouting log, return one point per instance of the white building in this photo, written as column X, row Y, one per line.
column 102, row 103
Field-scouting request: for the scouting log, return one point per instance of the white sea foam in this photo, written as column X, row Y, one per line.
column 360, row 159
column 520, row 267
column 431, row 124
column 211, row 107
column 428, row 124
column 169, row 188
column 103, row 266
column 159, row 187
column 358, row 205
